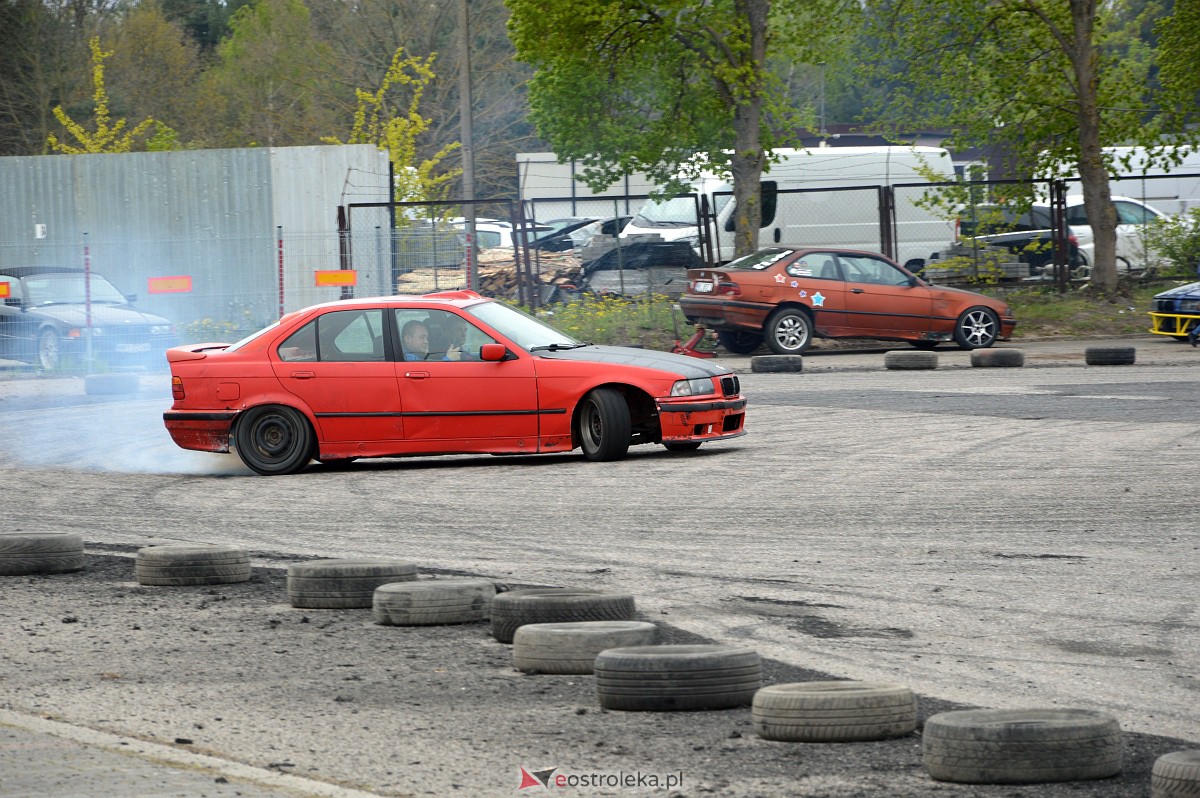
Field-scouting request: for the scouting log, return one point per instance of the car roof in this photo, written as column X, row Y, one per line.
column 29, row 271
column 460, row 299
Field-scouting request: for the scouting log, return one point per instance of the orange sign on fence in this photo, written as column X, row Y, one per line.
column 179, row 284
column 5, row 290
column 336, row 277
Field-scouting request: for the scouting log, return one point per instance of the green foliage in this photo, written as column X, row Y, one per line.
column 1177, row 240
column 609, row 319
column 109, row 135
column 379, row 120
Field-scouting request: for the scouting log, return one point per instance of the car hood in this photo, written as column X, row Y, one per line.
column 102, row 315
column 686, row 367
column 1191, row 289
column 961, row 292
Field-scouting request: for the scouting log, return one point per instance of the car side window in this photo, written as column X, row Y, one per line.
column 341, row 336
column 821, row 265
column 438, row 335
column 1128, row 213
column 865, row 269
column 1077, row 214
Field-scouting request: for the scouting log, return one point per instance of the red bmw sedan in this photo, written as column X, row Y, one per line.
column 444, row 373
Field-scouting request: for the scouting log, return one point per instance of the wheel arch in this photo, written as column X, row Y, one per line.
column 641, row 404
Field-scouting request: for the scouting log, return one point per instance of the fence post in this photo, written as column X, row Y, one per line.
column 1058, row 221
column 87, row 298
column 279, row 265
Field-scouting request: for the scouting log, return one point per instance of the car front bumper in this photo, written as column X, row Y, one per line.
column 1173, row 324
column 683, row 420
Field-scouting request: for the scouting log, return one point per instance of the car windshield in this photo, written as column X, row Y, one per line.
column 69, row 288
column 677, row 212
column 521, row 328
column 759, row 260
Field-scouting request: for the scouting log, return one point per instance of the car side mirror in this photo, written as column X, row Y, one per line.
column 131, row 298
column 493, row 352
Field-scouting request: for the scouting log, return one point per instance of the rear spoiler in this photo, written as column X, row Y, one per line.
column 193, row 351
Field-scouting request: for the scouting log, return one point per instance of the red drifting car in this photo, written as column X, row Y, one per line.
column 445, row 373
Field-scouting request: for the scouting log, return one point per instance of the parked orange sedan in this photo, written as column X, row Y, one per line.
column 786, row 296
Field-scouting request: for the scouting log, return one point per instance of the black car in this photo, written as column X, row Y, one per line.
column 47, row 313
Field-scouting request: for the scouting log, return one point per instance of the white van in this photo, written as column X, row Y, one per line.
column 836, row 205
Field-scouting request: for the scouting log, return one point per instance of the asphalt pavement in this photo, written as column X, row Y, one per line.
column 43, row 757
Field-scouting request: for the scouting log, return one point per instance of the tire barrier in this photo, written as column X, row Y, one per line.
column 909, row 360
column 997, row 358
column 181, row 565
column 516, row 608
column 24, row 553
column 833, row 711
column 1110, row 355
column 433, row 601
column 677, row 677
column 769, row 364
column 1176, row 775
column 1021, row 746
column 573, row 647
column 343, row 584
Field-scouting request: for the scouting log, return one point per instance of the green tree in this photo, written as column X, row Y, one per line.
column 274, row 76
column 108, row 135
column 390, row 117
column 627, row 85
column 1050, row 81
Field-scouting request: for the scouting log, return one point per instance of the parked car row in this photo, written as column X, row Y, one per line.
column 54, row 317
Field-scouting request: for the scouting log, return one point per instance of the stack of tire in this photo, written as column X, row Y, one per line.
column 23, row 553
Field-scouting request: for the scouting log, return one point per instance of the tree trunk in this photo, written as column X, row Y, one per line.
column 748, row 158
column 1093, row 177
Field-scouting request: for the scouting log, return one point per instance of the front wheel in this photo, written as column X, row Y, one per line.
column 738, row 342
column 789, row 331
column 604, row 426
column 49, row 350
column 274, row 440
column 976, row 328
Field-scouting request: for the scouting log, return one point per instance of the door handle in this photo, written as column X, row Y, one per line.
column 303, row 375
column 416, row 375
column 856, row 290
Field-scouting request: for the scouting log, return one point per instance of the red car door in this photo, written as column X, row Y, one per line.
column 881, row 299
column 338, row 365
column 452, row 398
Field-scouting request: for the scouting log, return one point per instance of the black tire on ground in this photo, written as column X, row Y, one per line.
column 909, row 360
column 573, row 647
column 603, row 425
column 1110, row 355
column 182, row 565
column 774, row 364
column 833, row 711
column 274, row 440
column 997, row 358
column 789, row 331
column 434, row 601
column 682, row 446
column 516, row 608
column 1176, row 775
column 976, row 328
column 112, row 383
column 343, row 584
column 739, row 342
column 1021, row 746
column 677, row 677
column 49, row 349
column 24, row 553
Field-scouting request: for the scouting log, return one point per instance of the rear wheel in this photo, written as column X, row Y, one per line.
column 738, row 342
column 604, row 426
column 789, row 331
column 274, row 440
column 976, row 328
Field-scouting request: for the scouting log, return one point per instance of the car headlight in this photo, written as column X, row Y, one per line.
column 692, row 387
column 161, row 329
column 1189, row 305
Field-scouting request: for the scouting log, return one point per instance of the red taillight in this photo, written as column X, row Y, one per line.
column 728, row 289
column 176, row 388
column 1074, row 240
